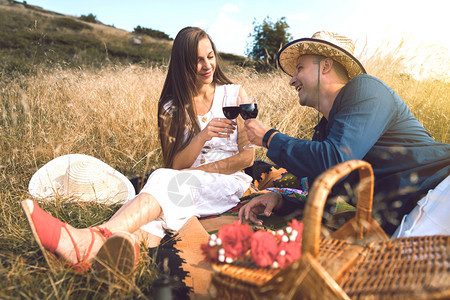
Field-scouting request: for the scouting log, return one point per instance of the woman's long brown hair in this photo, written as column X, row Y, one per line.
column 180, row 89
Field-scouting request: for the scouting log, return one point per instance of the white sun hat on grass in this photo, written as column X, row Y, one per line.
column 82, row 178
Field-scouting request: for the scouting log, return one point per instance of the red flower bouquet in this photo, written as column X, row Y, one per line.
column 235, row 239
column 265, row 248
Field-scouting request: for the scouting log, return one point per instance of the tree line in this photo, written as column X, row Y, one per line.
column 267, row 39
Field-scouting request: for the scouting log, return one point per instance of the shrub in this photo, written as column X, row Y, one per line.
column 89, row 18
column 151, row 32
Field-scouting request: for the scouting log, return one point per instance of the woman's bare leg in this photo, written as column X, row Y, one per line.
column 134, row 214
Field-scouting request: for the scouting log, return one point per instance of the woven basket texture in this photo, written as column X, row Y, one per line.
column 405, row 268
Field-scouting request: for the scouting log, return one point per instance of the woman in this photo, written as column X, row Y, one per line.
column 202, row 174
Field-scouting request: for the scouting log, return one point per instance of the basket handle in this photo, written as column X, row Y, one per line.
column 319, row 193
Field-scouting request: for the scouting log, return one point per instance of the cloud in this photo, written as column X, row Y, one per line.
column 230, row 8
column 200, row 23
column 302, row 17
column 301, row 25
column 228, row 31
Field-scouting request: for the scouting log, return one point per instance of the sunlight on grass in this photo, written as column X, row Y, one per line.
column 111, row 114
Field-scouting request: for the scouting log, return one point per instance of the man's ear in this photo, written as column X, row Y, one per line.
column 327, row 65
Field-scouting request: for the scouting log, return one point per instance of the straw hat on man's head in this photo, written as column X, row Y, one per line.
column 332, row 45
column 82, row 177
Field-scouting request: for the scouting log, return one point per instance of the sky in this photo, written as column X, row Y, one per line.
column 370, row 23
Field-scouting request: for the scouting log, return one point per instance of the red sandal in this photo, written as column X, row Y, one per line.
column 118, row 256
column 46, row 230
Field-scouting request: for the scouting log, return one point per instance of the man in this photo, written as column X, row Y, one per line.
column 364, row 119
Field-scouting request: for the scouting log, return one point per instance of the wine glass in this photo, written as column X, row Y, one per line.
column 248, row 110
column 231, row 110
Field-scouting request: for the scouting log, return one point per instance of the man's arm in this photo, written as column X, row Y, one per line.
column 362, row 112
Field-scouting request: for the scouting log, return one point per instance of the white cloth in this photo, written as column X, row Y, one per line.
column 431, row 216
column 183, row 194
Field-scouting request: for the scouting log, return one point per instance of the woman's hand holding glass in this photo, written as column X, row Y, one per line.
column 218, row 127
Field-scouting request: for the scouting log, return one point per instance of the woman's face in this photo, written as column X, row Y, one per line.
column 206, row 62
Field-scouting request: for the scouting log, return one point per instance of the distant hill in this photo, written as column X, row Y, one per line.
column 31, row 36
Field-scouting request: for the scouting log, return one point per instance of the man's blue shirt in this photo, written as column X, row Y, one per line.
column 369, row 121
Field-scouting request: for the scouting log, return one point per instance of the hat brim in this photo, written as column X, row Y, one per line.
column 47, row 181
column 287, row 57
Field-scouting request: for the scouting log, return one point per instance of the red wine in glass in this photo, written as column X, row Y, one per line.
column 249, row 111
column 231, row 112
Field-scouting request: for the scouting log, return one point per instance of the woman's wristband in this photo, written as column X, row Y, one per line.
column 267, row 136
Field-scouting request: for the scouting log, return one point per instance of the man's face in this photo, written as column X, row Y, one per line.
column 305, row 81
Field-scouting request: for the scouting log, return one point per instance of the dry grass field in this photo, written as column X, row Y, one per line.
column 111, row 114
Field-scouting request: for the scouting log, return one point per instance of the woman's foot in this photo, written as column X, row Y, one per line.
column 77, row 247
column 117, row 257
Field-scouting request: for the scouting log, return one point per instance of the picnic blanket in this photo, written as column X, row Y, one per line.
column 269, row 178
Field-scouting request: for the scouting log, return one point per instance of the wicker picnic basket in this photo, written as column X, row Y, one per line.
column 358, row 261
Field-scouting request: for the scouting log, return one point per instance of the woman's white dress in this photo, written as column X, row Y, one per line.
column 183, row 194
